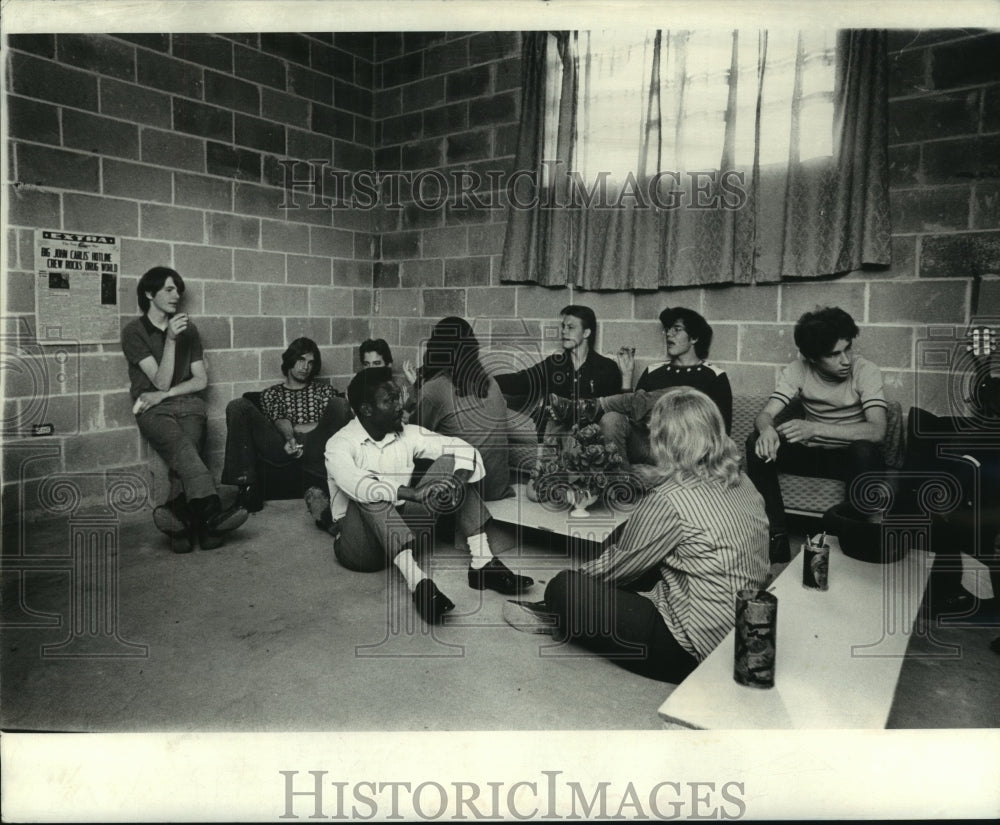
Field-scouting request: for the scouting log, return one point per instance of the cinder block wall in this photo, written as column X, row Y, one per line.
column 173, row 142
column 451, row 101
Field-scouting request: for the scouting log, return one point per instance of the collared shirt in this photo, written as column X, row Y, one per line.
column 597, row 376
column 830, row 401
column 358, row 468
column 140, row 339
column 707, row 540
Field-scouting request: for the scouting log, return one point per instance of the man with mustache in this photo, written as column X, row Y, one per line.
column 376, row 503
column 845, row 417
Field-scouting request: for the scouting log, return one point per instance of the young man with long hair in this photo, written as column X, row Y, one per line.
column 167, row 373
column 455, row 396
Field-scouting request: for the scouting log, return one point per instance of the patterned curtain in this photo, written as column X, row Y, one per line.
column 687, row 158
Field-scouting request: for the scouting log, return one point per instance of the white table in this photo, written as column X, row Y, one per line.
column 839, row 652
column 594, row 527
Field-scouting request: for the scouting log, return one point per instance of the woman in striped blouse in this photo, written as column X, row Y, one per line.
column 701, row 535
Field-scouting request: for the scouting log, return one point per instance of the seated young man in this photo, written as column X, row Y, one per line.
column 167, row 370
column 576, row 371
column 845, row 417
column 298, row 417
column 375, row 502
column 375, row 352
column 624, row 418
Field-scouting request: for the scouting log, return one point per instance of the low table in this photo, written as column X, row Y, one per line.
column 595, row 527
column 839, row 652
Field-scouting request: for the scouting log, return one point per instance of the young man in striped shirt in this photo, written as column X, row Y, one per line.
column 845, row 417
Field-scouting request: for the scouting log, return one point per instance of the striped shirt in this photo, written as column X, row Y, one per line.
column 708, row 541
column 358, row 468
column 829, row 401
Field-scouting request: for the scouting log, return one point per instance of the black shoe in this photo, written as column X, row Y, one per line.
column 530, row 617
column 167, row 521
column 226, row 520
column 251, row 497
column 582, row 412
column 175, row 519
column 209, row 541
column 497, row 576
column 995, row 645
column 560, row 409
column 780, row 549
column 326, row 523
column 958, row 603
column 430, row 602
column 318, row 505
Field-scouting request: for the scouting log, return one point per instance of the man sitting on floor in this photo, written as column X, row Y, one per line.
column 298, row 417
column 624, row 418
column 845, row 417
column 374, row 500
column 166, row 369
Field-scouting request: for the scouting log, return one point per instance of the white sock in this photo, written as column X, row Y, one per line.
column 407, row 565
column 479, row 546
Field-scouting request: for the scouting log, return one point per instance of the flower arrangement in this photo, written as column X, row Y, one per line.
column 585, row 465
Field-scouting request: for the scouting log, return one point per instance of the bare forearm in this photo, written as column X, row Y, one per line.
column 864, row 431
column 285, row 428
column 165, row 368
column 763, row 421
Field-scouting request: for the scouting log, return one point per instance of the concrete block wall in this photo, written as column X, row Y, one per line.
column 174, row 142
column 447, row 101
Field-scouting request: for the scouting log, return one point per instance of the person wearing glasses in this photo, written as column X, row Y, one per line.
column 624, row 418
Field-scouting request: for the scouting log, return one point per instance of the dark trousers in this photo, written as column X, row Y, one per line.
column 372, row 535
column 176, row 429
column 618, row 624
column 974, row 525
column 252, row 436
column 843, row 463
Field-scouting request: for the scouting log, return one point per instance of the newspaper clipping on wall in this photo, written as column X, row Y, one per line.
column 77, row 285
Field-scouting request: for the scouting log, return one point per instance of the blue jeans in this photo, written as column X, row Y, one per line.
column 176, row 429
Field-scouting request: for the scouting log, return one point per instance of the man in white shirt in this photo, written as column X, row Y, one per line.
column 845, row 417
column 374, row 502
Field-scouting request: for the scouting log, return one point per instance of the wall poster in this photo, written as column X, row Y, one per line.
column 76, row 289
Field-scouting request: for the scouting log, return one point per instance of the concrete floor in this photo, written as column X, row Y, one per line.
column 269, row 633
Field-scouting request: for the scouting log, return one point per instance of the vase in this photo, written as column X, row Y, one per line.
column 530, row 490
column 582, row 499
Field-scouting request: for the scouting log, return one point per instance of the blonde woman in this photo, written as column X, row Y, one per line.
column 698, row 537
